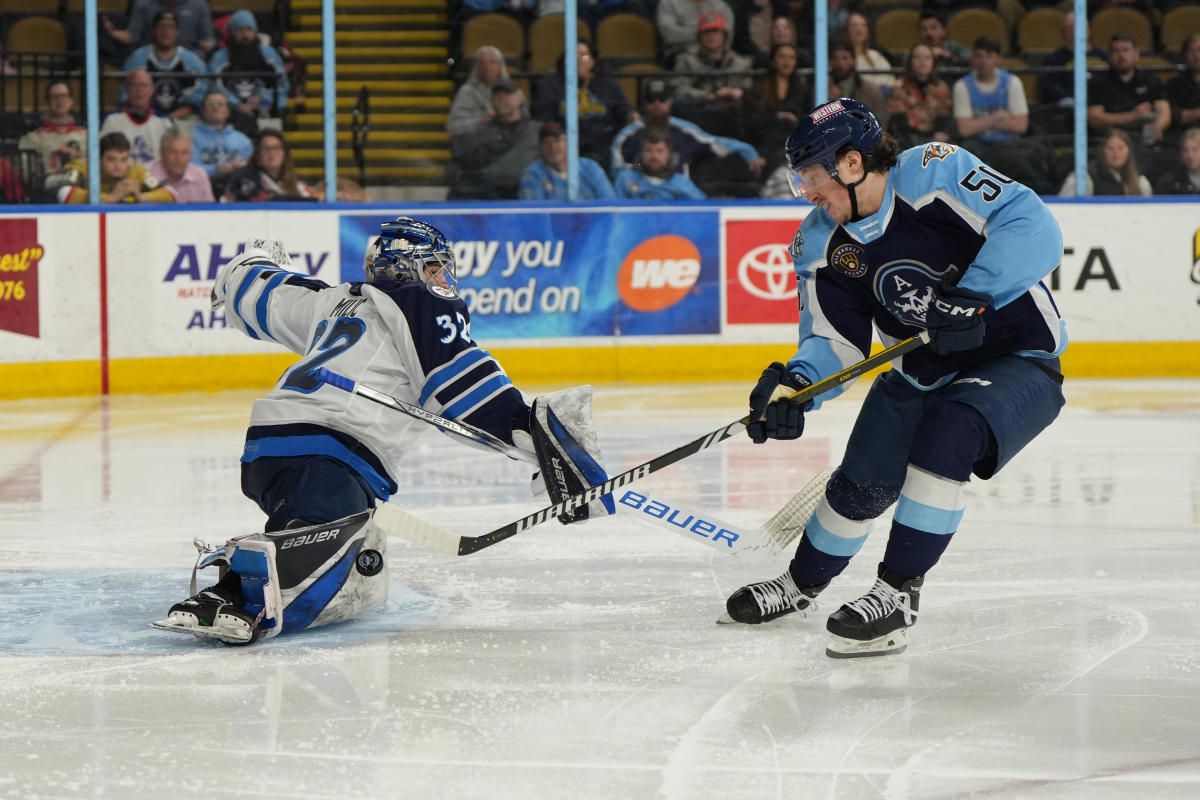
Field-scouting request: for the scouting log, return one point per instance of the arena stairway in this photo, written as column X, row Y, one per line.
column 399, row 50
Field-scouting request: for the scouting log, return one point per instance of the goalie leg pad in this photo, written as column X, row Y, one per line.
column 568, row 450
column 311, row 576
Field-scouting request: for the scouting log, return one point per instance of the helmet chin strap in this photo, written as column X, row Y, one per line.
column 854, row 215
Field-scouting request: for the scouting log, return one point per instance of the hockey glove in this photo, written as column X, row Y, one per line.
column 954, row 318
column 772, row 415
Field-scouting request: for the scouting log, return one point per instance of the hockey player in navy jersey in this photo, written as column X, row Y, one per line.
column 927, row 239
column 318, row 459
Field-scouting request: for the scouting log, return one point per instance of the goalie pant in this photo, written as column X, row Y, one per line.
column 308, row 577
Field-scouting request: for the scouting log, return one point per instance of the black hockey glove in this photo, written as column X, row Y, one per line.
column 954, row 318
column 775, row 418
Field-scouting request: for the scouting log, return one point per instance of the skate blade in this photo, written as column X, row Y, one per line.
column 725, row 619
column 227, row 636
column 840, row 647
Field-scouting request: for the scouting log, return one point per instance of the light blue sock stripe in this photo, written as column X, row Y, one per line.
column 831, row 543
column 927, row 518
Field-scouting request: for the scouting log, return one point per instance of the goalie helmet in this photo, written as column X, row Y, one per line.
column 826, row 132
column 409, row 251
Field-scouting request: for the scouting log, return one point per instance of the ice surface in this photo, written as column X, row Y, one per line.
column 1057, row 656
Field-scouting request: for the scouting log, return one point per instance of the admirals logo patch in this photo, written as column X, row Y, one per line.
column 796, row 248
column 442, row 291
column 850, row 259
column 937, row 151
column 905, row 288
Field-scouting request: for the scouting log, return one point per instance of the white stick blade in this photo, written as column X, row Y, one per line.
column 394, row 522
column 788, row 523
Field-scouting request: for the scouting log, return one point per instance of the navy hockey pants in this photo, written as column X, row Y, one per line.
column 314, row 489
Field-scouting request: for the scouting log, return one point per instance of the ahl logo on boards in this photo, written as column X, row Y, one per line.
column 658, row 273
column 19, row 257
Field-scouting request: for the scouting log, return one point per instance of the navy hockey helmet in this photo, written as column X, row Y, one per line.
column 828, row 130
column 409, row 251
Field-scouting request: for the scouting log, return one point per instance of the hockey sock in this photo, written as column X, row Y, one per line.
column 929, row 512
column 830, row 540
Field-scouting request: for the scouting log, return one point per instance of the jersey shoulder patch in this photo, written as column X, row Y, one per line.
column 936, row 151
column 441, row 291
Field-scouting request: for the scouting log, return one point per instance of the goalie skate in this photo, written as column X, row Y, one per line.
column 211, row 614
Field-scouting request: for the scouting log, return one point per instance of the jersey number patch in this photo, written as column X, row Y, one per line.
column 462, row 330
column 343, row 334
column 986, row 181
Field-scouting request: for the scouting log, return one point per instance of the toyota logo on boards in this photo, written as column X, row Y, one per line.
column 760, row 281
column 765, row 270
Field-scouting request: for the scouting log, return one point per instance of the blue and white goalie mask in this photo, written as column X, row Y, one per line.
column 409, row 251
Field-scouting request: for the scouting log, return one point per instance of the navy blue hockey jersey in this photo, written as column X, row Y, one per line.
column 942, row 208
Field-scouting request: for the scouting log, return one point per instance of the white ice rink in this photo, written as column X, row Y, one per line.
column 1057, row 655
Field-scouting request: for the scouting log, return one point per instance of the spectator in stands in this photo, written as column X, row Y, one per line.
column 992, row 117
column 250, row 97
column 677, row 21
column 603, row 108
column 857, row 34
column 752, row 21
column 546, row 178
column 946, row 52
column 920, row 102
column 846, row 82
column 1184, row 177
column 783, row 32
column 217, row 147
column 1183, row 91
column 487, row 163
column 58, row 138
column 348, row 191
column 143, row 128
column 1059, row 87
column 780, row 98
column 713, row 79
column 270, row 176
column 177, row 90
column 174, row 170
column 654, row 177
column 1114, row 172
column 193, row 16
column 122, row 179
column 1126, row 97
column 472, row 106
column 712, row 160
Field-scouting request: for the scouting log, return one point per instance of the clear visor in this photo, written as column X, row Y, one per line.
column 808, row 179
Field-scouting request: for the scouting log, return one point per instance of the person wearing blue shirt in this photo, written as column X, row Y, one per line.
column 177, row 90
column 546, row 178
column 926, row 242
column 217, row 147
column 655, row 178
column 251, row 97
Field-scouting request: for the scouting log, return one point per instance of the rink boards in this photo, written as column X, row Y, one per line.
column 118, row 301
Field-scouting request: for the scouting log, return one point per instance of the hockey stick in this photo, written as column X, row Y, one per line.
column 669, row 515
column 395, row 522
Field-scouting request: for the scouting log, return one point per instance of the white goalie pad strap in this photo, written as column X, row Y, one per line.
column 568, row 449
column 312, row 576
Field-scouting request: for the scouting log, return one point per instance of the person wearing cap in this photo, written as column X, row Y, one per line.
column 546, row 178
column 655, row 176
column 708, row 159
column 177, row 91
column 487, row 163
column 603, row 108
column 714, row 78
column 676, row 21
column 192, row 16
column 250, row 97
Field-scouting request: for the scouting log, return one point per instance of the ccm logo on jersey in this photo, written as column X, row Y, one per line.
column 311, row 538
column 658, row 273
column 680, row 519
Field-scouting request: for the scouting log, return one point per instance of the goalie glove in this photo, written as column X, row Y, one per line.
column 568, row 450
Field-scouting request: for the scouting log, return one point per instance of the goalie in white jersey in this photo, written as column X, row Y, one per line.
column 318, row 459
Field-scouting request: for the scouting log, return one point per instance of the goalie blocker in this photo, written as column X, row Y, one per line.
column 568, row 450
column 287, row 581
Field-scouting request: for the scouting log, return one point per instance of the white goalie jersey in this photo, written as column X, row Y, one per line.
column 413, row 342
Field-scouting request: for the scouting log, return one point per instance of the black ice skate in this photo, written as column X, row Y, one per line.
column 767, row 600
column 214, row 613
column 877, row 623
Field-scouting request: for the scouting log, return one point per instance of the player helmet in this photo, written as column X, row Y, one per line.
column 819, row 138
column 408, row 251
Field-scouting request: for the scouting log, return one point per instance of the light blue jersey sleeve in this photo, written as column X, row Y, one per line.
column 1023, row 240
column 533, row 182
column 719, row 145
column 194, row 97
column 835, row 329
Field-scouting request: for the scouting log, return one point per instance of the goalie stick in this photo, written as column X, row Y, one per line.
column 666, row 514
column 395, row 522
